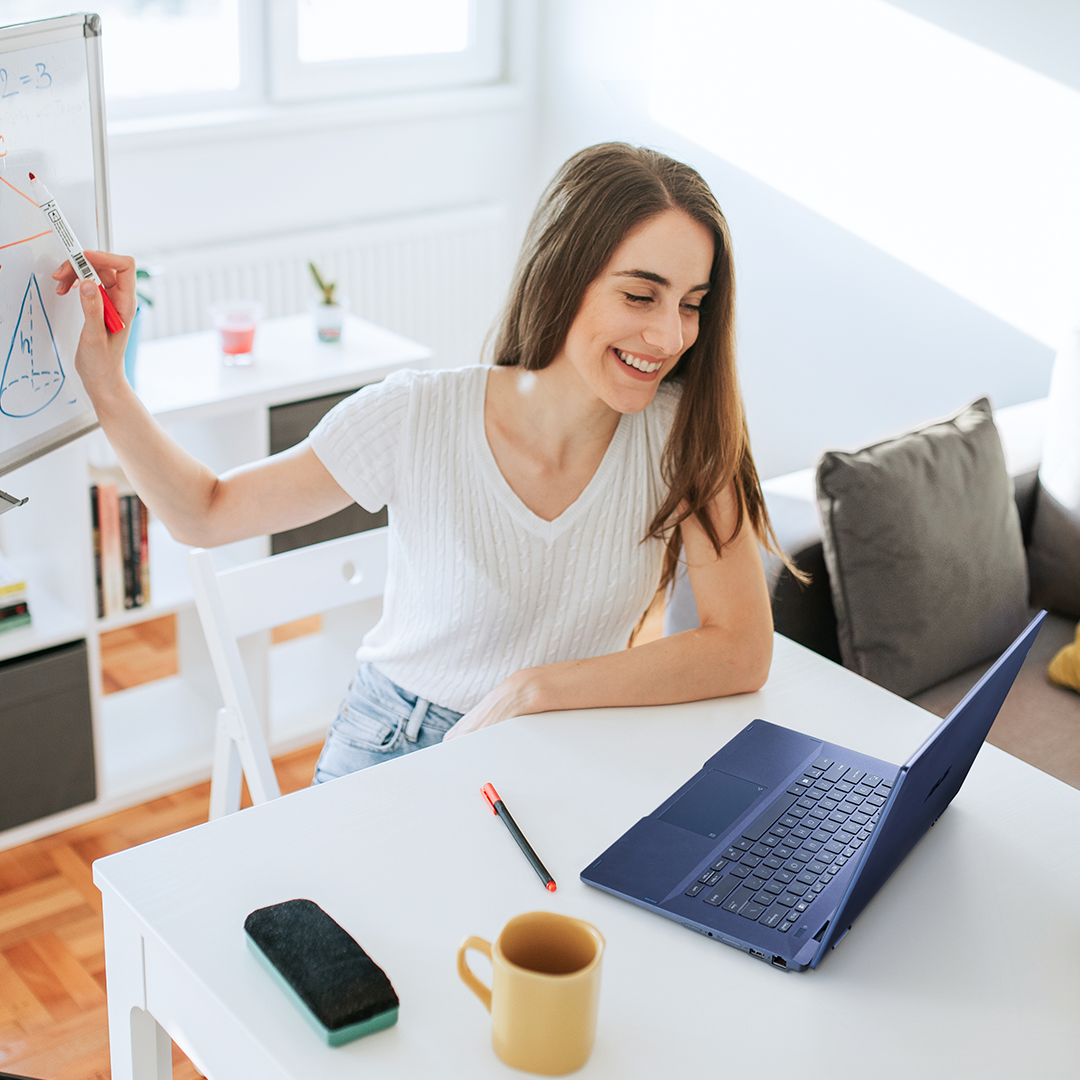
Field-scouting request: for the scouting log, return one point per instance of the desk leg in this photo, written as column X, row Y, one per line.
column 151, row 1048
column 139, row 1048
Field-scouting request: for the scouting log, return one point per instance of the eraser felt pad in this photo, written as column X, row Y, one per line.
column 345, row 992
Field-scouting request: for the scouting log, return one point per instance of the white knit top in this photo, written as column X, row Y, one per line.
column 478, row 586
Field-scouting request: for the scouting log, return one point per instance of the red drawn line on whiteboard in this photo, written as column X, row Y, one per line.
column 18, row 192
column 26, row 239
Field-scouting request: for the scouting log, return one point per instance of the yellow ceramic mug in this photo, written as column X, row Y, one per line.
column 544, row 992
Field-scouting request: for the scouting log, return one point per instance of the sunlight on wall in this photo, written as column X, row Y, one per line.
column 960, row 163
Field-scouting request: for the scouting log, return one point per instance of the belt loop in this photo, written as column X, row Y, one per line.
column 412, row 729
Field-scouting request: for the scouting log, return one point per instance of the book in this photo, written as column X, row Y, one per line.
column 121, row 543
column 95, row 517
column 124, row 506
column 112, row 559
column 14, row 604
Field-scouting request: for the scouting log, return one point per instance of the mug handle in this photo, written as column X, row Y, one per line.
column 467, row 977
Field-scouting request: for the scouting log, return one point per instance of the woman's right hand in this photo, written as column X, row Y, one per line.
column 99, row 359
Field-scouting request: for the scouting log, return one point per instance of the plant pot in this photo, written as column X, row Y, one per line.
column 132, row 350
column 328, row 318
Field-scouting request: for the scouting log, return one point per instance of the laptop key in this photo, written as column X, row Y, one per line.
column 738, row 871
column 719, row 864
column 722, row 891
column 749, row 859
column 811, row 845
column 774, row 916
column 734, row 903
column 873, row 781
column 823, row 763
column 801, row 833
column 743, row 845
column 855, row 776
column 750, row 910
column 773, row 862
column 835, row 771
column 816, row 867
column 694, row 889
column 796, row 789
column 784, row 876
column 785, row 926
column 710, row 877
column 785, row 851
column 766, row 820
column 787, row 900
column 834, row 847
column 807, row 878
column 759, row 849
column 774, row 887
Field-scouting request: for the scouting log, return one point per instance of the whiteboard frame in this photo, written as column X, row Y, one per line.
column 46, row 32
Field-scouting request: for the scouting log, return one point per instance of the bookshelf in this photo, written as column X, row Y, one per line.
column 154, row 738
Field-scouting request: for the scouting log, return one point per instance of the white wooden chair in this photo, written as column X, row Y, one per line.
column 255, row 597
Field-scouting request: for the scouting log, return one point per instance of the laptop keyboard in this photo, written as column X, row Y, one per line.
column 787, row 856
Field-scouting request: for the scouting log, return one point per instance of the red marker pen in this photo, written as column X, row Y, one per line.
column 499, row 807
column 81, row 264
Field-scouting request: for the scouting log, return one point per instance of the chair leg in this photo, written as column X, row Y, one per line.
column 227, row 774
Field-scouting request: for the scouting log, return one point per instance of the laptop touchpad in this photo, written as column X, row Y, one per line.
column 712, row 805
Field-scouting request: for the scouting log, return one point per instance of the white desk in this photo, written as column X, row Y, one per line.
column 182, row 378
column 964, row 966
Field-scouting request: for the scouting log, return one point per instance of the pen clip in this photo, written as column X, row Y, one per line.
column 492, row 796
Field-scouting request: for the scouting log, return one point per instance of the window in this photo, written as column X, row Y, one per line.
column 169, row 56
column 326, row 48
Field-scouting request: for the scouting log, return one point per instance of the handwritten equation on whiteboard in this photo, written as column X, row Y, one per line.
column 11, row 83
column 45, row 129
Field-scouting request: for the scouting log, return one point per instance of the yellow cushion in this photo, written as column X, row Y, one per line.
column 1065, row 667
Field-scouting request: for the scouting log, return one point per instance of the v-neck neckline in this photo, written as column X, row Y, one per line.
column 511, row 501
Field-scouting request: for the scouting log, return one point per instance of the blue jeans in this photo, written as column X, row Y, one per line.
column 377, row 721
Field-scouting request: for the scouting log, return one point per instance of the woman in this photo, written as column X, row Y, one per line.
column 534, row 505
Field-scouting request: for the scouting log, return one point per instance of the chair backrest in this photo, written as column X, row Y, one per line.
column 257, row 596
column 308, row 581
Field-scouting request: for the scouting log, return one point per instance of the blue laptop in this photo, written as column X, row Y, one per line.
column 781, row 840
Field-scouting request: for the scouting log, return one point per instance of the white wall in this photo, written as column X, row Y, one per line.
column 840, row 342
column 264, row 173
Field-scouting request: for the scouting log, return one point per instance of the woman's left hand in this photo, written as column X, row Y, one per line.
column 515, row 696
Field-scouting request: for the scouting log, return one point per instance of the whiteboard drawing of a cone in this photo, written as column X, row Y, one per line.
column 33, row 374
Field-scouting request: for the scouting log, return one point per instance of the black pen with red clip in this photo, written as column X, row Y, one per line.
column 499, row 807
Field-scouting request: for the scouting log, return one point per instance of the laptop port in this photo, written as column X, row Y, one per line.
column 779, row 961
column 758, row 954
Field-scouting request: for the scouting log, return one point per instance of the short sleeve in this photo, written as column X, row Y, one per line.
column 360, row 440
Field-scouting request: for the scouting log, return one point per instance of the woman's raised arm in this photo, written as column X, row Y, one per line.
column 197, row 507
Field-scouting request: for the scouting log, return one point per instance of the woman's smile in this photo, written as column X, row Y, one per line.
column 641, row 313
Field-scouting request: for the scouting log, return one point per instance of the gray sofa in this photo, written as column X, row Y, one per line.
column 1040, row 722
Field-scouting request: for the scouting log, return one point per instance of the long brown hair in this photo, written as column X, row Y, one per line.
column 594, row 201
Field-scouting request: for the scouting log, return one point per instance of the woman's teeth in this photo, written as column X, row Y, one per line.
column 637, row 362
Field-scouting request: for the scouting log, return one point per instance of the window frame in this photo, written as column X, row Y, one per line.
column 482, row 62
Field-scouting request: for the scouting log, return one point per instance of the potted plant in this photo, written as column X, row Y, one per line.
column 328, row 309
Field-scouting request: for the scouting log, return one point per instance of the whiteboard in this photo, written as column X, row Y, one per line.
column 52, row 123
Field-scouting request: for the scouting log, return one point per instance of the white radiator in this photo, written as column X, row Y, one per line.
column 437, row 278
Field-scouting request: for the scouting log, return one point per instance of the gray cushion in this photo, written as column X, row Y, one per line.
column 924, row 550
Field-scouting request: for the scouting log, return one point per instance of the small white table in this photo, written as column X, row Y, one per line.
column 964, row 966
column 183, row 378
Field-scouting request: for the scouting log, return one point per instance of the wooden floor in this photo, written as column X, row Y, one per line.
column 53, row 1021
